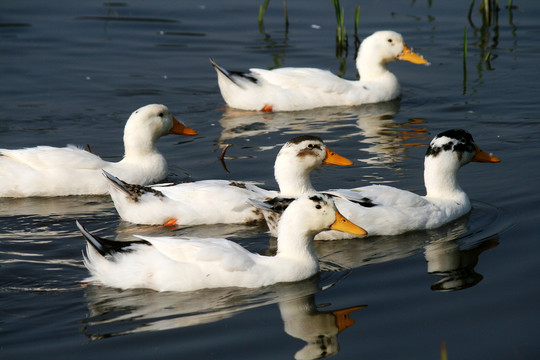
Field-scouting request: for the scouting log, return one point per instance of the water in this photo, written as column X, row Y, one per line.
column 72, row 72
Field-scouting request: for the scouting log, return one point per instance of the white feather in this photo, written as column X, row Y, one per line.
column 223, row 201
column 50, row 171
column 290, row 89
column 385, row 210
column 186, row 264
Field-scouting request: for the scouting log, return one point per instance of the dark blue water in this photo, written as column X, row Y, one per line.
column 72, row 72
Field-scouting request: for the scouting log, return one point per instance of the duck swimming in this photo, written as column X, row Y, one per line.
column 187, row 264
column 52, row 171
column 291, row 88
column 223, row 201
column 385, row 210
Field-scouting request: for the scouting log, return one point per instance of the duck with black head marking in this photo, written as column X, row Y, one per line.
column 385, row 210
column 223, row 201
column 188, row 264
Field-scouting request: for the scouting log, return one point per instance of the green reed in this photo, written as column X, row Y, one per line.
column 356, row 21
column 465, row 60
column 341, row 31
column 262, row 11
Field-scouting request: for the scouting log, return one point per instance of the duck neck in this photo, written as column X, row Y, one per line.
column 292, row 180
column 369, row 67
column 295, row 244
column 440, row 179
column 138, row 144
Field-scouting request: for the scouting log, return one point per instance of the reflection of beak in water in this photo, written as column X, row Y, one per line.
column 451, row 251
column 380, row 135
column 319, row 329
column 385, row 139
column 445, row 252
column 239, row 124
column 456, row 265
column 115, row 312
column 353, row 253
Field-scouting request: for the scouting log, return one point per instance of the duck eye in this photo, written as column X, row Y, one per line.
column 160, row 114
column 389, row 40
column 318, row 206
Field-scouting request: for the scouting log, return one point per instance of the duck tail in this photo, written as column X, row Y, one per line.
column 233, row 76
column 96, row 242
column 118, row 184
column 221, row 69
column 130, row 190
column 107, row 247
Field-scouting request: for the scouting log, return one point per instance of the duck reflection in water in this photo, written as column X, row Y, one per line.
column 455, row 263
column 451, row 252
column 114, row 312
column 384, row 139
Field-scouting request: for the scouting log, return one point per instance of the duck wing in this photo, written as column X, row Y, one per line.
column 380, row 195
column 303, row 78
column 222, row 253
column 46, row 157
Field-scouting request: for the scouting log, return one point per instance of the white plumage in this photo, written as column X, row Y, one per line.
column 290, row 89
column 223, row 201
column 186, row 264
column 51, row 171
column 385, row 210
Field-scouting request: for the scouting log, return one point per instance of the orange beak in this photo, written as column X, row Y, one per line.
column 343, row 318
column 482, row 156
column 411, row 56
column 181, row 129
column 334, row 159
column 342, row 224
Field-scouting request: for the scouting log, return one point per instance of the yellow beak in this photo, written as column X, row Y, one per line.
column 334, row 159
column 343, row 319
column 342, row 224
column 181, row 129
column 411, row 56
column 482, row 156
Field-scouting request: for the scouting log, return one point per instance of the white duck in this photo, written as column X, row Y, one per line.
column 52, row 171
column 291, row 89
column 187, row 264
column 222, row 201
column 385, row 210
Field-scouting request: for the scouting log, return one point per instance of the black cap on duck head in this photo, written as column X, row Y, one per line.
column 462, row 141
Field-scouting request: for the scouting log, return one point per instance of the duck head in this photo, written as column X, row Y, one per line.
column 149, row 123
column 313, row 213
column 298, row 158
column 446, row 154
column 381, row 48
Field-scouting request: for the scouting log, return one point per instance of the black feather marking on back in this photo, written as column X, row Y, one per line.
column 279, row 204
column 244, row 75
column 238, row 184
column 365, row 201
column 108, row 247
column 231, row 74
column 131, row 190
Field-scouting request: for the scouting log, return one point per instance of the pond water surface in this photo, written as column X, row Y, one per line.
column 73, row 71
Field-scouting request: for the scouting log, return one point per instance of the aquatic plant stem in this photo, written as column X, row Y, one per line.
column 465, row 60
